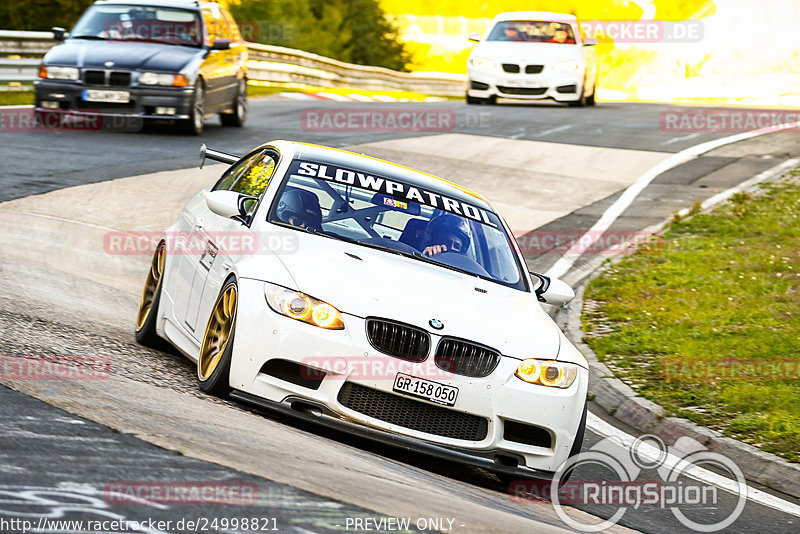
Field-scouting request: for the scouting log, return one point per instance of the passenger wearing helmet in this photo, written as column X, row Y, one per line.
column 446, row 233
column 299, row 207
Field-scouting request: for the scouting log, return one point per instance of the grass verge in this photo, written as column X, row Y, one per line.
column 16, row 98
column 708, row 326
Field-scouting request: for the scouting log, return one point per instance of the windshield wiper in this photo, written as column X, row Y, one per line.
column 91, row 37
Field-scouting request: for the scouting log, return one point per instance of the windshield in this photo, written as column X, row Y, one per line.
column 532, row 31
column 393, row 215
column 140, row 23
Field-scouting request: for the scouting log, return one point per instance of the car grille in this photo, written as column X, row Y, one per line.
column 511, row 67
column 398, row 340
column 534, row 69
column 119, row 78
column 411, row 414
column 465, row 358
column 522, row 90
column 95, row 77
column 115, row 78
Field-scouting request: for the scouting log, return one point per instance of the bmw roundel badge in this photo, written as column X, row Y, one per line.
column 436, row 323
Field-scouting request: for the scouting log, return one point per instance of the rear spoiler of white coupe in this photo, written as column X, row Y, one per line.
column 216, row 155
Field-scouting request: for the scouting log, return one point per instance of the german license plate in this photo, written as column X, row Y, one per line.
column 425, row 389
column 96, row 95
column 524, row 83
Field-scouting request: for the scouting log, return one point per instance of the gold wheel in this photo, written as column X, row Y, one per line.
column 151, row 285
column 218, row 332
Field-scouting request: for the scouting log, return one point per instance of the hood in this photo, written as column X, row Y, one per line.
column 527, row 53
column 372, row 283
column 125, row 55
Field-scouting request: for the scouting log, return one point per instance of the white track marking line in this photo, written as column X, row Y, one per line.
column 553, row 130
column 331, row 96
column 605, row 429
column 681, row 138
column 360, row 98
column 297, row 96
column 616, row 209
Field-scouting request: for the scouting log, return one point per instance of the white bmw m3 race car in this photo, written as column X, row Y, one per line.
column 373, row 298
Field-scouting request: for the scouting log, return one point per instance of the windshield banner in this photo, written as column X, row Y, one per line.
column 397, row 190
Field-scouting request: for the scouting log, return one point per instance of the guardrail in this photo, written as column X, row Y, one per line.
column 21, row 53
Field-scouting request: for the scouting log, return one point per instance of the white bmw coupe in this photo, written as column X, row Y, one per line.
column 533, row 56
column 372, row 298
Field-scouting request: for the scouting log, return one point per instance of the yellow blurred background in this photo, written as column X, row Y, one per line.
column 748, row 54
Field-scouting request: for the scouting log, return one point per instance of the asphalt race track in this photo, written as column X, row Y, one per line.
column 547, row 168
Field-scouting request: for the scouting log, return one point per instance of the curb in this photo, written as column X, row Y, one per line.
column 621, row 402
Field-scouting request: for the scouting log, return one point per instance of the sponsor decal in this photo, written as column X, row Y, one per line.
column 395, row 203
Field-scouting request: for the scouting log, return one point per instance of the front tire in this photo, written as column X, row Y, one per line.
column 592, row 100
column 194, row 124
column 239, row 114
column 151, row 296
column 214, row 360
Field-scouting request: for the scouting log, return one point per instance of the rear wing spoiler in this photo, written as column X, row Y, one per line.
column 216, row 155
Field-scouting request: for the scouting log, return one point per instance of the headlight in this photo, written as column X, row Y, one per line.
column 566, row 66
column 482, row 63
column 548, row 373
column 301, row 307
column 59, row 73
column 153, row 78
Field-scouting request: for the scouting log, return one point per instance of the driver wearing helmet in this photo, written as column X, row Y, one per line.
column 299, row 207
column 447, row 233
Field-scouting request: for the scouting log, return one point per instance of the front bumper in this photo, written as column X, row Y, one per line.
column 500, row 400
column 565, row 87
column 143, row 104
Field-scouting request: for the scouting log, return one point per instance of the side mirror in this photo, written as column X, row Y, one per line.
column 474, row 38
column 553, row 291
column 221, row 43
column 59, row 34
column 230, row 204
column 590, row 41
